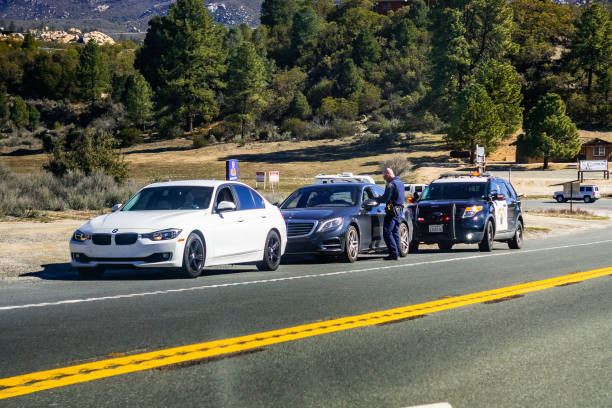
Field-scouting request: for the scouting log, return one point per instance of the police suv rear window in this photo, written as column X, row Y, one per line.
column 455, row 191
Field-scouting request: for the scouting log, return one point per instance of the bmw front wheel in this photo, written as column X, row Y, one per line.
column 193, row 256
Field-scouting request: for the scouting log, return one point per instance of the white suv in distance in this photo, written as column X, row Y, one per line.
column 588, row 193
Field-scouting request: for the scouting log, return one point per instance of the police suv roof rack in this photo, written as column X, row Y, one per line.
column 472, row 174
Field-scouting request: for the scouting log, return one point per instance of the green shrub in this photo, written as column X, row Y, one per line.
column 129, row 137
column 296, row 127
column 92, row 152
column 199, row 140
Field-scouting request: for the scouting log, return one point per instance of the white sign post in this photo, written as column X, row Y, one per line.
column 480, row 158
column 273, row 177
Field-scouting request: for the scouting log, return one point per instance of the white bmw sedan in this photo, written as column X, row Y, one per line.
column 183, row 224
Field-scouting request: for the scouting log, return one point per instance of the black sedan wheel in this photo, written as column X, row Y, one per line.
column 351, row 244
column 404, row 244
column 193, row 256
column 272, row 253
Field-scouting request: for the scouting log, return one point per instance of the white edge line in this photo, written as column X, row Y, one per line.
column 225, row 285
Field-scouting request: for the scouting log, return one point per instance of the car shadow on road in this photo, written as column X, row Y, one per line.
column 65, row 272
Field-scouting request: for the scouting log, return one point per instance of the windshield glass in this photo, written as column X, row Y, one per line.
column 337, row 196
column 170, row 198
column 454, row 191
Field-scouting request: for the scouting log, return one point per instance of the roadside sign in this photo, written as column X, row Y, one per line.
column 231, row 170
column 273, row 176
column 586, row 166
column 260, row 177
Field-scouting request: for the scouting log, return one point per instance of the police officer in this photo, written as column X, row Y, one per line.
column 394, row 198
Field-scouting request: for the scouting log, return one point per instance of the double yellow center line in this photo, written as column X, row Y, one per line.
column 43, row 380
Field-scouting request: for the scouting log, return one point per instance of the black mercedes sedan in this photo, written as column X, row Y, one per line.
column 342, row 219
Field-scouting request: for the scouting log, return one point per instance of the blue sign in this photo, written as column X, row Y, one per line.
column 231, row 170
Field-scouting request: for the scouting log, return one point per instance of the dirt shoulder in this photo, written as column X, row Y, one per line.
column 34, row 250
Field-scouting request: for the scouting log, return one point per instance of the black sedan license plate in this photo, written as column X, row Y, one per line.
column 435, row 228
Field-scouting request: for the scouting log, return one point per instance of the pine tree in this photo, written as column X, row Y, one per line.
column 93, row 74
column 4, row 108
column 246, row 84
column 299, row 107
column 305, row 28
column 138, row 99
column 366, row 48
column 475, row 121
column 33, row 118
column 591, row 49
column 19, row 112
column 503, row 86
column 350, row 82
column 277, row 12
column 193, row 64
column 549, row 132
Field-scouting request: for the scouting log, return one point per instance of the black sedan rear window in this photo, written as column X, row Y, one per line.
column 455, row 191
column 170, row 198
column 337, row 196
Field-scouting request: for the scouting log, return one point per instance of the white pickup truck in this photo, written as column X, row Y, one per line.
column 588, row 193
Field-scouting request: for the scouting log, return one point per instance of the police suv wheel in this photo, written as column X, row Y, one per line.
column 517, row 240
column 351, row 244
column 404, row 244
column 486, row 245
column 193, row 256
column 272, row 253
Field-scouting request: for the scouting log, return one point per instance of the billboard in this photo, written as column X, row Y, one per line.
column 593, row 165
column 231, row 170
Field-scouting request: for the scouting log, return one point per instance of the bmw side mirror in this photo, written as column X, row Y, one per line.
column 226, row 206
column 369, row 204
column 116, row 207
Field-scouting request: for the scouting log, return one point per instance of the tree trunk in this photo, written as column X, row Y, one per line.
column 545, row 162
column 590, row 81
column 190, row 123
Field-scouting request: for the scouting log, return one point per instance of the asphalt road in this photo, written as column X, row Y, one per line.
column 547, row 348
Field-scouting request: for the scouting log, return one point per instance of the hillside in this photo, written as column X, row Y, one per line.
column 114, row 17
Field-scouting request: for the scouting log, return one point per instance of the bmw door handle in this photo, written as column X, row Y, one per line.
column 240, row 219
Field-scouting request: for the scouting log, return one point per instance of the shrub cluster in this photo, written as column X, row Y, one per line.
column 23, row 195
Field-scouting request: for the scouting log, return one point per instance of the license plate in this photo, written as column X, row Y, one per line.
column 435, row 228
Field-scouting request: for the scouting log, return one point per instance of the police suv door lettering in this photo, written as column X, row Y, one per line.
column 501, row 215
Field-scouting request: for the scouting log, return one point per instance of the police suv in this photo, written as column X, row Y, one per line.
column 468, row 208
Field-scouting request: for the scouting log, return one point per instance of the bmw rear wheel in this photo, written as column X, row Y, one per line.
column 193, row 256
column 351, row 244
column 272, row 253
column 404, row 244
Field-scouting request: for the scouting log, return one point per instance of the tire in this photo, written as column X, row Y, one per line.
column 587, row 199
column 445, row 246
column 272, row 253
column 559, row 199
column 414, row 247
column 404, row 244
column 351, row 244
column 193, row 257
column 486, row 245
column 90, row 273
column 517, row 240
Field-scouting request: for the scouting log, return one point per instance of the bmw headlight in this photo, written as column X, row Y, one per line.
column 472, row 211
column 80, row 236
column 331, row 224
column 163, row 235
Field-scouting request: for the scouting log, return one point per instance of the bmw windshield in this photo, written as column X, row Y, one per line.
column 311, row 197
column 170, row 198
column 454, row 191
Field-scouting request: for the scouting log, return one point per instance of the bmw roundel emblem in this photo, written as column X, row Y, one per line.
column 115, row 230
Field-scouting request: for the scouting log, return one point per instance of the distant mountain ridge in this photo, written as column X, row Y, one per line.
column 114, row 16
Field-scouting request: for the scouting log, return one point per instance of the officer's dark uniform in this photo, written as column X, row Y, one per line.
column 394, row 197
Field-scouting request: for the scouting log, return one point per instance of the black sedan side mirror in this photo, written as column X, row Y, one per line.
column 369, row 204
